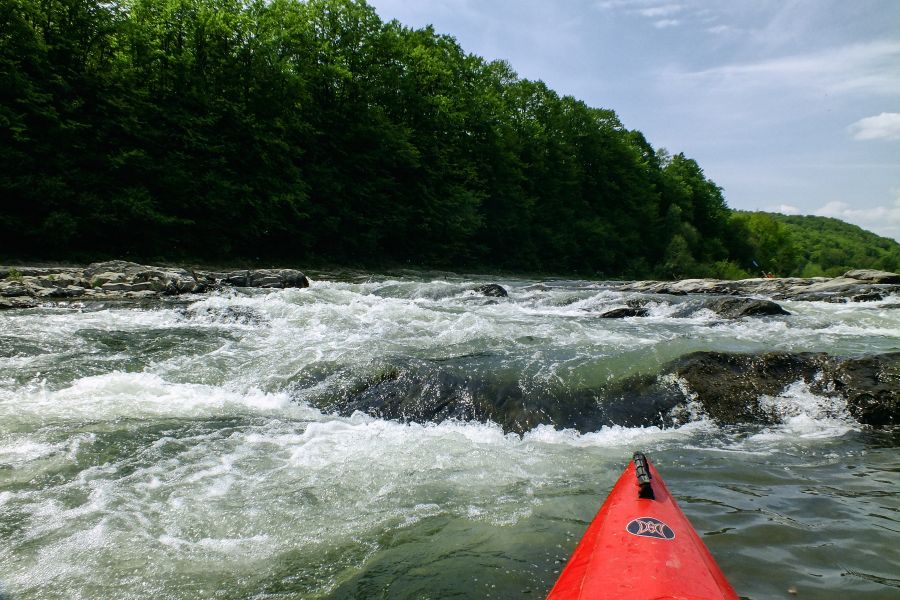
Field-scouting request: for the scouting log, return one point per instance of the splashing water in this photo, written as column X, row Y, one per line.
column 177, row 451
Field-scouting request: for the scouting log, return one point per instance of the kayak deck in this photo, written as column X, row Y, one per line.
column 641, row 546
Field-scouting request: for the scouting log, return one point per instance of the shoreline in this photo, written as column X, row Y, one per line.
column 28, row 286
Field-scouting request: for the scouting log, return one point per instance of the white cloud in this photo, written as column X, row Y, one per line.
column 626, row 4
column 661, row 11
column 868, row 68
column 613, row 4
column 660, row 14
column 785, row 209
column 885, row 126
column 721, row 29
column 883, row 220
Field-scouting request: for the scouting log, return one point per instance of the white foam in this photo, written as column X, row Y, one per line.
column 805, row 415
column 134, row 395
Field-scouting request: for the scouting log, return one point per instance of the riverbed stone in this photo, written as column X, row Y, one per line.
column 102, row 278
column 729, row 386
column 17, row 302
column 71, row 291
column 14, row 289
column 625, row 312
column 493, row 290
column 781, row 288
column 867, row 297
column 871, row 385
column 426, row 394
column 736, row 308
column 116, row 287
column 123, row 267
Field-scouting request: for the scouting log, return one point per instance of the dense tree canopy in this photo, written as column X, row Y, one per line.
column 282, row 130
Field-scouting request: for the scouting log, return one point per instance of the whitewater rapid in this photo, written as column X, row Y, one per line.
column 181, row 449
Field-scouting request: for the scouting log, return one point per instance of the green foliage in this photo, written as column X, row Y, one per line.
column 807, row 246
column 829, row 247
column 293, row 131
column 762, row 244
column 728, row 269
column 14, row 275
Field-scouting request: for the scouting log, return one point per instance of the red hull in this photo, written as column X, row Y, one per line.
column 641, row 549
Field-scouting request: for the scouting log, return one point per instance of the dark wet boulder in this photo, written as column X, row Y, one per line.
column 291, row 278
column 736, row 308
column 871, row 385
column 624, row 312
column 867, row 297
column 729, row 386
column 492, row 290
column 429, row 394
column 267, row 278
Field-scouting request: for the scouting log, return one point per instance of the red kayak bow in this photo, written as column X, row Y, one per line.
column 640, row 546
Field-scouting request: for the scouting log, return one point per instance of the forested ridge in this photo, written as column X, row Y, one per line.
column 813, row 246
column 314, row 131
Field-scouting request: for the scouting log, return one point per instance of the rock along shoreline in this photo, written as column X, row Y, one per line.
column 117, row 280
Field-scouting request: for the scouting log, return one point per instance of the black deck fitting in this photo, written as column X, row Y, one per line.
column 642, row 470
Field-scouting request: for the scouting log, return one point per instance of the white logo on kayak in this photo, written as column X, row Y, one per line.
column 651, row 528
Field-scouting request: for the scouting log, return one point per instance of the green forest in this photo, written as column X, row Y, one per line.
column 314, row 132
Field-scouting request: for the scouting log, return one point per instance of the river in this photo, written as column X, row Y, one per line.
column 180, row 449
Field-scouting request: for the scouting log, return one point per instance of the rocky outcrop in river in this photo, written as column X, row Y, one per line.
column 731, row 388
column 853, row 286
column 28, row 287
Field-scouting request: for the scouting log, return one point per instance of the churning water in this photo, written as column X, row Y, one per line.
column 177, row 451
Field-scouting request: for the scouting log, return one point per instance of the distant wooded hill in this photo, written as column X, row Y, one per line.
column 810, row 246
column 304, row 132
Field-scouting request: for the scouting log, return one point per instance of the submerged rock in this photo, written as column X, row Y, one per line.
column 241, row 315
column 624, row 312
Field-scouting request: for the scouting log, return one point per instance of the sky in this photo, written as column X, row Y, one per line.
column 790, row 106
